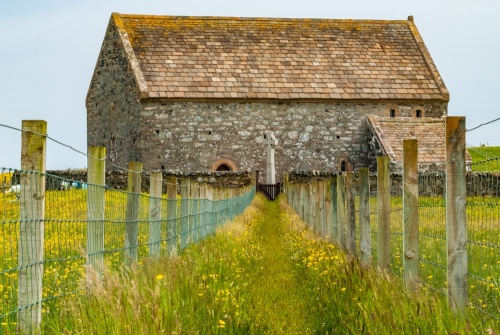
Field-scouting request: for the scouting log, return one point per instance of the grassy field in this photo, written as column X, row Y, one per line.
column 263, row 264
column 264, row 273
column 485, row 159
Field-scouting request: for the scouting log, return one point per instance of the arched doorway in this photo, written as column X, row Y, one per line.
column 224, row 164
column 223, row 167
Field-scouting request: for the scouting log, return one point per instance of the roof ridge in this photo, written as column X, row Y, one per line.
column 252, row 18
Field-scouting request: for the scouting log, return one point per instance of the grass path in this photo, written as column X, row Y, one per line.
column 277, row 294
column 263, row 273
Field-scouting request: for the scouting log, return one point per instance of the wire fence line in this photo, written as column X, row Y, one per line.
column 58, row 236
column 59, row 253
column 349, row 213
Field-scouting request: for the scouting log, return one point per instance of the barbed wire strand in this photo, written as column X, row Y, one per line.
column 483, row 124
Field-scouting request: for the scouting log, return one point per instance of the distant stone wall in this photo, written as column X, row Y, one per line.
column 118, row 179
column 479, row 184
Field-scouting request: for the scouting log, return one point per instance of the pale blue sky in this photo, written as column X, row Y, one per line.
column 48, row 50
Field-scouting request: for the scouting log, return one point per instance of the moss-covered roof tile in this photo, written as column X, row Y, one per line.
column 280, row 58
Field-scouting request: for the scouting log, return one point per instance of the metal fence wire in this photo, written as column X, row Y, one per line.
column 482, row 218
column 44, row 242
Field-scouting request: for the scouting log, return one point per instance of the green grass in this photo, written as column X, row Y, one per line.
column 485, row 159
column 264, row 273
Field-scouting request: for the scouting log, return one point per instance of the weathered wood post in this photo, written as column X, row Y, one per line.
column 302, row 201
column 96, row 179
column 328, row 210
column 333, row 190
column 410, row 215
column 312, row 206
column 215, row 209
column 171, row 215
column 383, row 213
column 317, row 207
column 132, row 212
column 155, row 201
column 350, row 214
column 185, row 184
column 202, row 191
column 365, row 242
column 456, row 224
column 32, row 226
column 341, row 215
column 208, row 214
column 193, row 211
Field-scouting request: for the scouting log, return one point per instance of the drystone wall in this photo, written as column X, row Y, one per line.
column 117, row 179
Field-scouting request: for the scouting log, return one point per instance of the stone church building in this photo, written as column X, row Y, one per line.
column 198, row 93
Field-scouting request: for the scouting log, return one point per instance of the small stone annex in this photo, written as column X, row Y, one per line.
column 198, row 93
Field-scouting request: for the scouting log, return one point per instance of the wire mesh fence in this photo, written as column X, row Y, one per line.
column 483, row 230
column 44, row 236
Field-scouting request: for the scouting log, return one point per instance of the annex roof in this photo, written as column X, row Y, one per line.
column 278, row 58
column 430, row 133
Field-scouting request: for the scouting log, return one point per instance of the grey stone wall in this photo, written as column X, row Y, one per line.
column 191, row 136
column 113, row 107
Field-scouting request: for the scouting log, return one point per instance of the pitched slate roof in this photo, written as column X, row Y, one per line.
column 264, row 58
column 430, row 133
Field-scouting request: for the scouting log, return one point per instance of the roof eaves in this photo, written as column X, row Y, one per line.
column 428, row 59
column 142, row 86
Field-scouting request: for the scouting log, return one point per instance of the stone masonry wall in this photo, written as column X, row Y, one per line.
column 113, row 107
column 191, row 136
column 117, row 179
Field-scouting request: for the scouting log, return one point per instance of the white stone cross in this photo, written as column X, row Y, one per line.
column 270, row 141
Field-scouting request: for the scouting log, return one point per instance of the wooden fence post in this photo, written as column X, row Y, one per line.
column 155, row 201
column 341, row 215
column 350, row 214
column 317, row 207
column 193, row 211
column 171, row 215
column 328, row 209
column 216, row 207
column 208, row 208
column 410, row 215
column 335, row 224
column 31, row 227
column 202, row 223
column 383, row 213
column 365, row 243
column 132, row 212
column 96, row 178
column 311, row 205
column 302, row 201
column 184, row 224
column 456, row 224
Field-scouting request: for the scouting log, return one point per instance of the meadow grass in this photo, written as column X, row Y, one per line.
column 487, row 157
column 252, row 248
column 264, row 273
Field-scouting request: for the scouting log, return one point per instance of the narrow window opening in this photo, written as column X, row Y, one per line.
column 419, row 113
column 163, row 167
column 392, row 113
column 157, row 131
column 343, row 166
